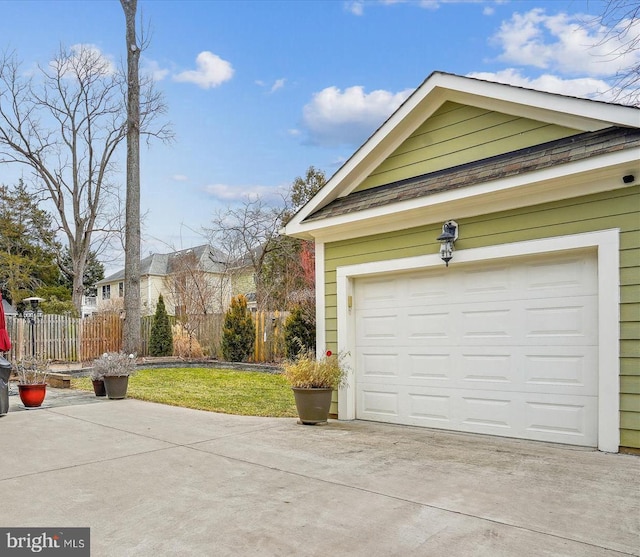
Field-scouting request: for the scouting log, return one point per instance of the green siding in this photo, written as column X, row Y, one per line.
column 458, row 134
column 601, row 211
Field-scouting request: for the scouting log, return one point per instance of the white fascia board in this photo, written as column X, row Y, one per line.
column 589, row 176
column 573, row 112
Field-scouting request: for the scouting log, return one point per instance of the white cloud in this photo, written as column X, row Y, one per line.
column 569, row 44
column 179, row 178
column 81, row 56
column 587, row 87
column 153, row 69
column 211, row 71
column 229, row 193
column 335, row 117
column 356, row 7
column 278, row 84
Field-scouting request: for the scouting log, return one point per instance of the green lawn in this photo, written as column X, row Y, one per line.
column 248, row 393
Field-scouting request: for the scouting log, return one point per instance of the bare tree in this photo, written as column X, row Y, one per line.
column 246, row 234
column 249, row 235
column 131, row 335
column 65, row 122
column 65, row 126
column 621, row 19
column 196, row 289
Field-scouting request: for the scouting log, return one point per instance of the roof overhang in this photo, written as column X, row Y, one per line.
column 585, row 177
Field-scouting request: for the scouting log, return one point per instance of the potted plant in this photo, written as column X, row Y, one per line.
column 115, row 368
column 97, row 380
column 32, row 380
column 313, row 381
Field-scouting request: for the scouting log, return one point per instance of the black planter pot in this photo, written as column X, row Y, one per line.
column 313, row 405
column 98, row 387
column 116, row 386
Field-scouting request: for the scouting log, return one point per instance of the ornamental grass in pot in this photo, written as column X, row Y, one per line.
column 32, row 380
column 313, row 381
column 115, row 368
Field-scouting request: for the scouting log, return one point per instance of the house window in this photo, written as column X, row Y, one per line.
column 106, row 292
column 121, row 289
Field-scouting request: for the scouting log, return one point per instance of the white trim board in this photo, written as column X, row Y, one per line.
column 605, row 242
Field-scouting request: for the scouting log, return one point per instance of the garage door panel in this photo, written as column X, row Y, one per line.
column 490, row 368
column 568, row 321
column 560, row 419
column 379, row 364
column 376, row 326
column 380, row 405
column 565, row 419
column 562, row 369
column 430, row 410
column 575, row 275
column 486, row 323
column 503, row 349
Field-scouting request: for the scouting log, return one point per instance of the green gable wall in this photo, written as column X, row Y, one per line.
column 601, row 211
column 456, row 134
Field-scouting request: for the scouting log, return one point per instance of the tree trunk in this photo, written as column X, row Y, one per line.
column 78, row 285
column 131, row 330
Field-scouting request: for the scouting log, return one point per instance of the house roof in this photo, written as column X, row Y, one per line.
column 163, row 264
column 538, row 157
column 582, row 115
column 8, row 308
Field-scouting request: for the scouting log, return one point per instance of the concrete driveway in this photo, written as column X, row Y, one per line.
column 154, row 480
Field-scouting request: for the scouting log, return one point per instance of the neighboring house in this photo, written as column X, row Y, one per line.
column 89, row 305
column 8, row 308
column 532, row 331
column 189, row 280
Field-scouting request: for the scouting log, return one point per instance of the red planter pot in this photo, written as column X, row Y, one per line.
column 32, row 396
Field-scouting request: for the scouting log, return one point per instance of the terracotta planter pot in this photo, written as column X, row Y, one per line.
column 98, row 387
column 116, row 386
column 313, row 405
column 32, row 396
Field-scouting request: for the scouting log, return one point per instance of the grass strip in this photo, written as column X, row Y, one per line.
column 245, row 393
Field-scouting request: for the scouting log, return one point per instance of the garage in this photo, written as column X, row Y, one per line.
column 507, row 348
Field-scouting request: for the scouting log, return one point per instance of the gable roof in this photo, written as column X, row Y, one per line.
column 163, row 264
column 583, row 115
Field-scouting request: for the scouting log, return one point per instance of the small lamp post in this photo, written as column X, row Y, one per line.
column 32, row 313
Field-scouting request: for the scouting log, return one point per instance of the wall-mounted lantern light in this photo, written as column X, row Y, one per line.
column 447, row 239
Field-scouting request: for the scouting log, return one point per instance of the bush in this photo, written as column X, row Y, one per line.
column 238, row 331
column 161, row 339
column 185, row 345
column 300, row 331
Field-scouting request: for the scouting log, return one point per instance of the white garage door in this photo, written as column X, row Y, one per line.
column 506, row 348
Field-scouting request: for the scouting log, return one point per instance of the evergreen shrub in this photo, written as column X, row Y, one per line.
column 161, row 339
column 238, row 331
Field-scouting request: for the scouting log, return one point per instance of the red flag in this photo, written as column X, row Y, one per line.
column 5, row 341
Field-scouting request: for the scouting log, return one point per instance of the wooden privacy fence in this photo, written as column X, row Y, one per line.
column 69, row 339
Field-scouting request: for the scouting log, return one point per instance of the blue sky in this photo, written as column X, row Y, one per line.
column 258, row 91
